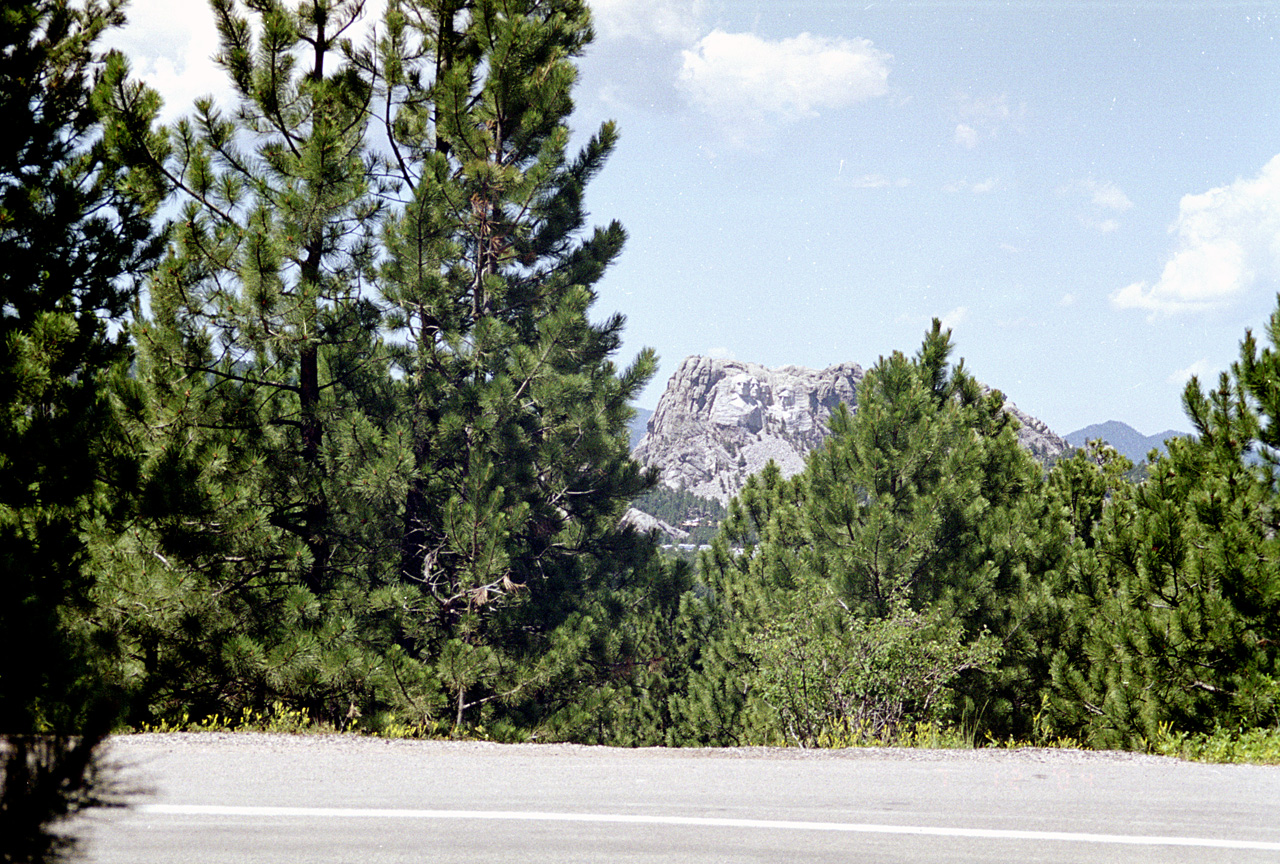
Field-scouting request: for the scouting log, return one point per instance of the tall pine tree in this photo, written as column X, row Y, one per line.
column 1180, row 609
column 266, row 408
column 386, row 466
column 521, row 468
column 72, row 247
column 916, row 534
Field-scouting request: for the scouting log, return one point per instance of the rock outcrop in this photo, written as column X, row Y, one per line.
column 1036, row 436
column 720, row 421
column 645, row 524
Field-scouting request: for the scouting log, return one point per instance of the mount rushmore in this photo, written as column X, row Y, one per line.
column 720, row 421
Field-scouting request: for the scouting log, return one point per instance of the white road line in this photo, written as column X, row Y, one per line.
column 708, row 822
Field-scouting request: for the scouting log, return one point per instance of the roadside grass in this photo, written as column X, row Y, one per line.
column 1221, row 746
column 1251, row 746
column 844, row 734
column 278, row 718
column 928, row 735
column 282, row 719
column 1224, row 746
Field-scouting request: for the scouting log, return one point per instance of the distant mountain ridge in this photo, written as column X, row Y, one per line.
column 1127, row 440
column 638, row 424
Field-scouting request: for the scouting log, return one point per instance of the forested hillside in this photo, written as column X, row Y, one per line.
column 306, row 411
column 699, row 517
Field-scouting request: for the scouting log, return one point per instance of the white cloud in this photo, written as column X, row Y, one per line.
column 966, row 136
column 878, row 181
column 1068, row 299
column 1228, row 239
column 992, row 109
column 1107, row 196
column 648, row 20
column 1104, row 198
column 1200, row 369
column 984, row 117
column 719, row 353
column 871, row 181
column 171, row 46
column 955, row 317
column 743, row 78
column 991, row 184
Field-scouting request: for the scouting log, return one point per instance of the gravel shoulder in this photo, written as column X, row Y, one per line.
column 121, row 746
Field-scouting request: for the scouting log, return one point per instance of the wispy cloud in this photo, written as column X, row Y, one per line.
column 719, row 353
column 983, row 187
column 980, row 118
column 878, row 181
column 1104, row 201
column 1200, row 369
column 648, row 20
column 1228, row 239
column 955, row 317
column 1107, row 196
column 743, row 79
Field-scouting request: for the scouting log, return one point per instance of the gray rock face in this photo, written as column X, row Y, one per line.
column 1036, row 436
column 644, row 523
column 720, row 421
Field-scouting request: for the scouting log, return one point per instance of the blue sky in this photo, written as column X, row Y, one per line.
column 1087, row 193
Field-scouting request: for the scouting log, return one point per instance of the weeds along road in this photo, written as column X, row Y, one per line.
column 212, row 797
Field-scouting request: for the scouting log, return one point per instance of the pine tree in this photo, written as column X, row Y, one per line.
column 925, row 498
column 265, row 402
column 1180, row 612
column 750, row 577
column 887, row 571
column 72, row 247
column 521, row 468
column 1082, row 488
column 386, row 465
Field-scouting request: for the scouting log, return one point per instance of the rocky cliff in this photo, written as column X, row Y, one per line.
column 645, row 524
column 720, row 421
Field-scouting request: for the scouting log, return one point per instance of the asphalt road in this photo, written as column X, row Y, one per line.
column 267, row 798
